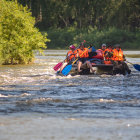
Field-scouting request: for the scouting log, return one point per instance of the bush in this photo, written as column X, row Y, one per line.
column 62, row 38
column 18, row 36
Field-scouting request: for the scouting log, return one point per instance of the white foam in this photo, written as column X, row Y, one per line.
column 13, row 96
column 106, row 100
column 3, row 96
column 42, row 99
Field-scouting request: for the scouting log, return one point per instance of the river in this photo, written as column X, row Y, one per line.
column 36, row 104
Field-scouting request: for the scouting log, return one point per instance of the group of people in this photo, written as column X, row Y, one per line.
column 105, row 55
column 114, row 55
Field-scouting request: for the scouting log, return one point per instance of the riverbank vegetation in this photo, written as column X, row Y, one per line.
column 18, row 36
column 24, row 28
column 62, row 38
column 97, row 21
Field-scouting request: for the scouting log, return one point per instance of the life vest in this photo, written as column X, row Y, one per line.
column 99, row 54
column 118, row 55
column 106, row 55
column 83, row 53
column 71, row 54
column 107, row 62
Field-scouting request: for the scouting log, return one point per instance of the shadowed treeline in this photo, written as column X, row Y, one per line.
column 124, row 14
column 112, row 21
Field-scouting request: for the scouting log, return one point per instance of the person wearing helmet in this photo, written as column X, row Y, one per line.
column 102, row 50
column 108, row 53
column 118, row 53
column 103, row 47
column 92, row 51
column 119, row 58
column 71, row 55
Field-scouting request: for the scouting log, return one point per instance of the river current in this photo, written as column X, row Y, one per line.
column 37, row 104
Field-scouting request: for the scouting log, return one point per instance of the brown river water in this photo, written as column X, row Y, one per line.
column 37, row 104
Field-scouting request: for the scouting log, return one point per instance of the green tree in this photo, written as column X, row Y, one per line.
column 18, row 36
column 123, row 14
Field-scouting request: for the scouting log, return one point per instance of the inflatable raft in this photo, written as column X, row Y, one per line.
column 99, row 69
column 100, row 66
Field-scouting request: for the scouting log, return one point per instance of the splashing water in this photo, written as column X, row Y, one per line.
column 33, row 95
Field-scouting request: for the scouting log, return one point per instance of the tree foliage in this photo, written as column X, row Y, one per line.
column 70, row 21
column 63, row 38
column 123, row 14
column 18, row 36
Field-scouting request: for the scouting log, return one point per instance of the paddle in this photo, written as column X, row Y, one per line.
column 136, row 66
column 68, row 68
column 57, row 66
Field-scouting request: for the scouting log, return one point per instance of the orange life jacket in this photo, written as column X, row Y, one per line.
column 118, row 55
column 71, row 54
column 105, row 54
column 83, row 55
column 107, row 62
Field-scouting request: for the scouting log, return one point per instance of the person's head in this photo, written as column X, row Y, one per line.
column 82, row 46
column 117, row 46
column 72, row 47
column 110, row 47
column 103, row 46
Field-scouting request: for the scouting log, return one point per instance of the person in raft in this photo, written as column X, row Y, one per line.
column 83, row 54
column 71, row 55
column 95, row 56
column 118, row 59
column 108, row 54
column 92, row 51
column 103, row 48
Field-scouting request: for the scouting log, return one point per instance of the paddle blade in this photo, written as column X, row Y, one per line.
column 56, row 67
column 137, row 67
column 66, row 70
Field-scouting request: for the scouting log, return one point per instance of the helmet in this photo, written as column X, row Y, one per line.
column 72, row 47
column 103, row 45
